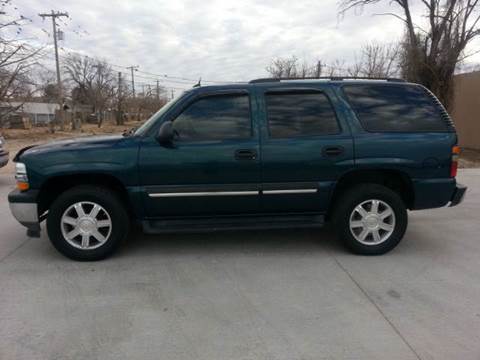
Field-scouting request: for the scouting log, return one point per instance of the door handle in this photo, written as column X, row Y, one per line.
column 333, row 150
column 246, row 154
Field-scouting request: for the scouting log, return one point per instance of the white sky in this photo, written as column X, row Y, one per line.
column 215, row 39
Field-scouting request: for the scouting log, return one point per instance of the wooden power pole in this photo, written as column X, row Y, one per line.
column 133, row 68
column 54, row 15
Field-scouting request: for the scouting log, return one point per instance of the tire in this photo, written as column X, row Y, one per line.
column 109, row 227
column 371, row 231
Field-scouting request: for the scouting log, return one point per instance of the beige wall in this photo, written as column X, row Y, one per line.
column 466, row 109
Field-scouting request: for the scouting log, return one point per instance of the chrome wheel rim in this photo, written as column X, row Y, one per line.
column 372, row 222
column 86, row 225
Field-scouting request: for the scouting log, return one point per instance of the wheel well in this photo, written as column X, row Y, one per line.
column 55, row 186
column 392, row 179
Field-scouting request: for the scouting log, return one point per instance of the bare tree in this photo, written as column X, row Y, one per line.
column 290, row 67
column 337, row 68
column 379, row 60
column 46, row 85
column 16, row 62
column 375, row 61
column 283, row 67
column 147, row 102
column 431, row 54
column 94, row 83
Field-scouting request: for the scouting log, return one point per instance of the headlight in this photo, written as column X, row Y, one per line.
column 21, row 176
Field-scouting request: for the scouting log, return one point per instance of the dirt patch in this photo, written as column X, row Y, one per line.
column 469, row 158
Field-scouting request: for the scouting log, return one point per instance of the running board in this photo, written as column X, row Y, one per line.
column 202, row 224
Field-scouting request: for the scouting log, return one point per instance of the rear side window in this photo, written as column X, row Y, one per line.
column 397, row 108
column 295, row 114
column 217, row 117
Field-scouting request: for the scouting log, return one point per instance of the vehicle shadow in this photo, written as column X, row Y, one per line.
column 239, row 241
column 267, row 242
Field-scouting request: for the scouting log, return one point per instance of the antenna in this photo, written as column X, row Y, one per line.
column 198, row 84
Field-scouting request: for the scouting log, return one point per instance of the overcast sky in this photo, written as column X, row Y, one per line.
column 215, row 39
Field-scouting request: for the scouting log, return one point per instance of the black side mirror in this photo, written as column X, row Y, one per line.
column 166, row 134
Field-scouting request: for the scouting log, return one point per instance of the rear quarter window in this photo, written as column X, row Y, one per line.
column 395, row 108
column 300, row 113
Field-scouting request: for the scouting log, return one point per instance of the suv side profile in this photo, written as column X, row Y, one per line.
column 266, row 154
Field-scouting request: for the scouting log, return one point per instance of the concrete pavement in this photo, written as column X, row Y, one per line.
column 248, row 294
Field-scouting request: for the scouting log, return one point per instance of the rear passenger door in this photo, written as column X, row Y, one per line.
column 306, row 145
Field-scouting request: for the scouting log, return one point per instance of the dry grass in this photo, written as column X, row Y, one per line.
column 17, row 139
column 469, row 158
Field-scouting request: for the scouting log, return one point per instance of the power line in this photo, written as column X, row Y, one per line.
column 54, row 15
column 163, row 78
column 44, row 53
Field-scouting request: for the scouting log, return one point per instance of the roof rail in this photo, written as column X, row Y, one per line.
column 332, row 78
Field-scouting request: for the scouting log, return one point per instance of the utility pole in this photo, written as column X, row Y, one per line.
column 318, row 70
column 54, row 15
column 119, row 84
column 158, row 90
column 119, row 103
column 133, row 68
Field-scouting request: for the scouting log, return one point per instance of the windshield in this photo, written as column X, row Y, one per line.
column 148, row 124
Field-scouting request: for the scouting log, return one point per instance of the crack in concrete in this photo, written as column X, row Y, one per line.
column 15, row 250
column 364, row 292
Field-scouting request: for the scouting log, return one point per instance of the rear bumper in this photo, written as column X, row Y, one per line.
column 435, row 193
column 458, row 195
column 23, row 206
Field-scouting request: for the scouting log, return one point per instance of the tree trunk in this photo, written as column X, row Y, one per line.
column 100, row 119
column 76, row 121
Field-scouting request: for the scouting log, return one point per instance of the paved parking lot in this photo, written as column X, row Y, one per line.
column 248, row 295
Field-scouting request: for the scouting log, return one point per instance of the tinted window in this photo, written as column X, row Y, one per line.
column 395, row 108
column 300, row 114
column 215, row 118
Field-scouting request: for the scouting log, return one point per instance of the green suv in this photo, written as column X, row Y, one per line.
column 268, row 154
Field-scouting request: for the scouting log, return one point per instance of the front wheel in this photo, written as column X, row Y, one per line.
column 370, row 219
column 87, row 223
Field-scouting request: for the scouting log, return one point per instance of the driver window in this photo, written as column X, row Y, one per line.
column 218, row 117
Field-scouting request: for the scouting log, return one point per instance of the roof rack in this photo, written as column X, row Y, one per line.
column 332, row 78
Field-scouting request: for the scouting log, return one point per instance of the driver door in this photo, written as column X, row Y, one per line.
column 213, row 166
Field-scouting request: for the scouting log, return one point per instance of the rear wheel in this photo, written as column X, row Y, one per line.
column 87, row 223
column 370, row 219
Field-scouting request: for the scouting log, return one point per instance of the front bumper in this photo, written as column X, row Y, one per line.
column 24, row 208
column 458, row 195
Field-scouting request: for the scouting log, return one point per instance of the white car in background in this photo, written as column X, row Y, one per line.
column 3, row 153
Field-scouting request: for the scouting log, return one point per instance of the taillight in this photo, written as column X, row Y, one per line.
column 455, row 157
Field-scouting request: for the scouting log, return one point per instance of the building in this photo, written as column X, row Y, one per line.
column 466, row 109
column 39, row 113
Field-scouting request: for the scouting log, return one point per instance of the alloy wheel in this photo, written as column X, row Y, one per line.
column 86, row 225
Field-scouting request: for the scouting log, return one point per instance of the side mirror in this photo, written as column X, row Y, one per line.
column 166, row 134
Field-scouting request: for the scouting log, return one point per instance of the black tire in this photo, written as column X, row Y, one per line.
column 109, row 201
column 359, row 194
